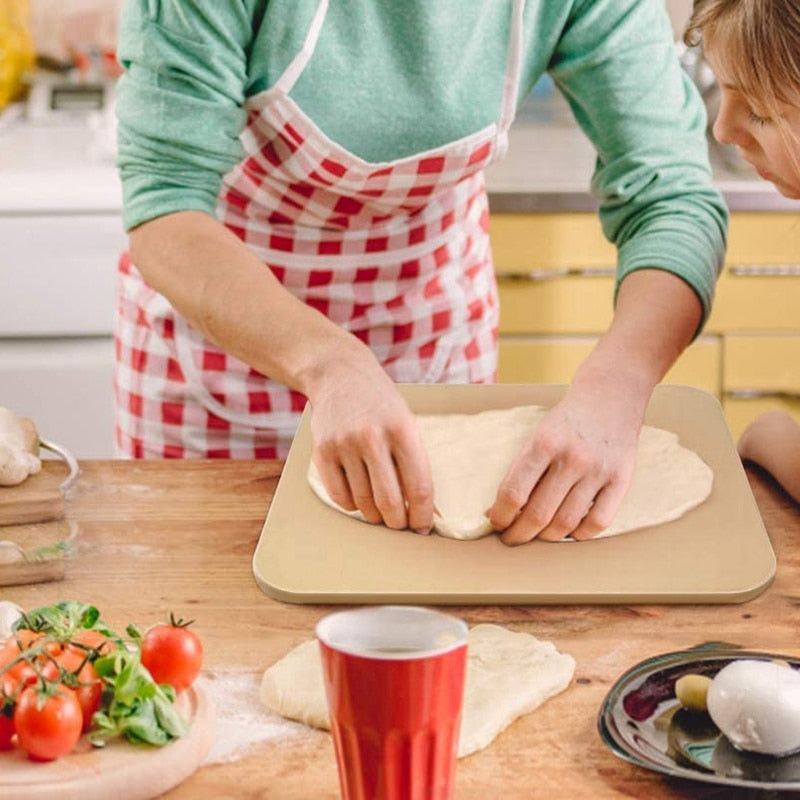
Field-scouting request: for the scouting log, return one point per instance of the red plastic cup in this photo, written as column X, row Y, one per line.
column 394, row 678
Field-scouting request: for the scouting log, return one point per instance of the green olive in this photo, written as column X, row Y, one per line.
column 692, row 690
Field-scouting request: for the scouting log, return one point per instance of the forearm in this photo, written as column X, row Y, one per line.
column 655, row 318
column 772, row 440
column 223, row 290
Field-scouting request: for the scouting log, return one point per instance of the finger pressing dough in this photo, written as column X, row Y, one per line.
column 508, row 674
column 470, row 454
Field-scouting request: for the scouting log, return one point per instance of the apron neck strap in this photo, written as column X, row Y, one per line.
column 303, row 56
column 510, row 82
column 508, row 106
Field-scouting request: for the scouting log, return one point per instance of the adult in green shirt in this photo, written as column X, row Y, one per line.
column 303, row 186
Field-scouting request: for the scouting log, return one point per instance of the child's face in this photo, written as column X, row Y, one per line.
column 759, row 139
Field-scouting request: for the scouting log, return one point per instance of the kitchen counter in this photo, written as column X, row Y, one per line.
column 69, row 167
column 550, row 163
column 158, row 536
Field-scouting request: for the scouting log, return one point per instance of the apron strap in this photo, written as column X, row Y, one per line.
column 508, row 107
column 511, row 80
column 301, row 59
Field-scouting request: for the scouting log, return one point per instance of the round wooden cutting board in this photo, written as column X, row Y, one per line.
column 120, row 769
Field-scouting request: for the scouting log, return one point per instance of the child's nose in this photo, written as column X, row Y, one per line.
column 729, row 126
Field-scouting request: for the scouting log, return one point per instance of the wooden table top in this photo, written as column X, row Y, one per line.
column 159, row 536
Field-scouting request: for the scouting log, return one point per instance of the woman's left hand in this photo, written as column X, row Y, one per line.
column 570, row 477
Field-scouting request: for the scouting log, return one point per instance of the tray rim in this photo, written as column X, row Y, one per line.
column 277, row 589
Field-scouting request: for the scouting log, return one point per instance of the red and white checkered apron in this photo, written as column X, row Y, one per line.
column 397, row 253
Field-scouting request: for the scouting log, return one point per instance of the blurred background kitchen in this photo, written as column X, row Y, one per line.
column 61, row 235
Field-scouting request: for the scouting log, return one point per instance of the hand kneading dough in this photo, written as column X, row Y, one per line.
column 508, row 674
column 470, row 454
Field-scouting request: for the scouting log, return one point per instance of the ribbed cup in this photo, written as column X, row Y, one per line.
column 394, row 679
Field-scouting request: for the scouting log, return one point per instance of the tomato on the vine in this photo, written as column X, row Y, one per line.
column 91, row 641
column 172, row 654
column 48, row 721
column 88, row 693
column 7, row 729
column 80, row 675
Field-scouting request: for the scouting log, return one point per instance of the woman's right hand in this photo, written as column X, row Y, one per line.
column 368, row 448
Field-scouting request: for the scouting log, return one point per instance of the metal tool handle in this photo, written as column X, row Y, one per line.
column 771, row 270
column 544, row 274
column 63, row 453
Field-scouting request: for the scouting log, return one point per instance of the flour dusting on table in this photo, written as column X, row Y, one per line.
column 241, row 721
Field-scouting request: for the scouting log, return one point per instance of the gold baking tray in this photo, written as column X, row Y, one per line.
column 718, row 552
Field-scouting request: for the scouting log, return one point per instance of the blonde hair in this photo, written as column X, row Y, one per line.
column 759, row 43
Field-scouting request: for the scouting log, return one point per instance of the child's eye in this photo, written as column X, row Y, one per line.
column 756, row 120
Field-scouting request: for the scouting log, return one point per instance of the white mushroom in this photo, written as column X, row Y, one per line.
column 9, row 614
column 17, row 445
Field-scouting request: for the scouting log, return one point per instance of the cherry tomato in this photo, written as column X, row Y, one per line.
column 41, row 653
column 90, row 640
column 7, row 729
column 25, row 638
column 21, row 671
column 48, row 722
column 88, row 693
column 75, row 669
column 8, row 652
column 173, row 654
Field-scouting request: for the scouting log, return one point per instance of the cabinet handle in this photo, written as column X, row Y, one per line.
column 561, row 272
column 759, row 394
column 765, row 269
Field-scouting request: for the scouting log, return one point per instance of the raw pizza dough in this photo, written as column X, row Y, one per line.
column 508, row 674
column 470, row 454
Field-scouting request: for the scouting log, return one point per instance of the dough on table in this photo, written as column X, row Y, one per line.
column 508, row 674
column 470, row 454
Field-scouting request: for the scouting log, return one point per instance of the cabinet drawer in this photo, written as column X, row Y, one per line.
column 522, row 243
column 572, row 304
column 762, row 364
column 768, row 237
column 764, row 301
column 741, row 411
column 533, row 359
column 544, row 359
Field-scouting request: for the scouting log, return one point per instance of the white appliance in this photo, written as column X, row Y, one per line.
column 60, row 238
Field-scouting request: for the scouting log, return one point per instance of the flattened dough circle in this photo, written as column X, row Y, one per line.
column 470, row 453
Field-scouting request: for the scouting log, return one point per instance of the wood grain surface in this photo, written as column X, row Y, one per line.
column 37, row 498
column 158, row 536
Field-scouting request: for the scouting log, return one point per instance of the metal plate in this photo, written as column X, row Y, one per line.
column 642, row 722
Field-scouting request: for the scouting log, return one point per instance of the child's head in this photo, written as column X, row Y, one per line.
column 754, row 48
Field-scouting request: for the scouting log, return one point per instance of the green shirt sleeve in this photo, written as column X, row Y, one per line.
column 190, row 66
column 179, row 103
column 616, row 65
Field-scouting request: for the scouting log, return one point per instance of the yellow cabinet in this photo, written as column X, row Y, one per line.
column 556, row 280
column 741, row 411
column 760, row 373
column 554, row 359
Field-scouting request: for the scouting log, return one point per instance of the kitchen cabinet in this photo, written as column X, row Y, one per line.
column 556, row 278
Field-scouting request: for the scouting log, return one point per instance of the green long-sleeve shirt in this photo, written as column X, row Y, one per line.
column 389, row 79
